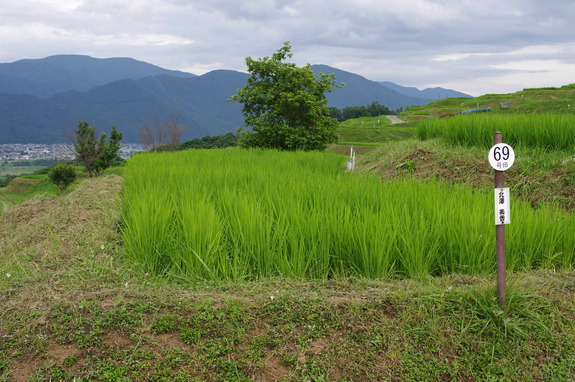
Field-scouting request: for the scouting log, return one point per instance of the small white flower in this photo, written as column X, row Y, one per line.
column 272, row 298
column 8, row 275
column 102, row 246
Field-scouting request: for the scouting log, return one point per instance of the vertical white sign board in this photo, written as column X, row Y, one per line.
column 502, row 210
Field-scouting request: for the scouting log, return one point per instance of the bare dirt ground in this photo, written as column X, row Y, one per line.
column 394, row 119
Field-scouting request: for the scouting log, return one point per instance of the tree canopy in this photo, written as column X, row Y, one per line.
column 210, row 142
column 96, row 155
column 374, row 109
column 285, row 105
column 62, row 175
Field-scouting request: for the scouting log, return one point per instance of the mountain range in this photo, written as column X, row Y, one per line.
column 42, row 100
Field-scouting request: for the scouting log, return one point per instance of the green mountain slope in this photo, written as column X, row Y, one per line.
column 55, row 74
column 359, row 91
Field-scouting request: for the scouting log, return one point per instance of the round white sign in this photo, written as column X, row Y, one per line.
column 501, row 157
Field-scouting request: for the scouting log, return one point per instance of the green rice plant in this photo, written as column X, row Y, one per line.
column 543, row 131
column 220, row 214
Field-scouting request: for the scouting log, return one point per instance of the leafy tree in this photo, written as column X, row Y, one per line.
column 211, row 142
column 62, row 175
column 96, row 155
column 374, row 109
column 5, row 181
column 285, row 105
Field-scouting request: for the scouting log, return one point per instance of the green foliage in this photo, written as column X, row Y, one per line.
column 164, row 324
column 5, row 180
column 211, row 142
column 62, row 175
column 96, row 155
column 286, row 105
column 374, row 109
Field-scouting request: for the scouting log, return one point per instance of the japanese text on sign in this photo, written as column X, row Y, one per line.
column 502, row 210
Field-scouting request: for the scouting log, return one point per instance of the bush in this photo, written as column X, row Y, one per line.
column 62, row 175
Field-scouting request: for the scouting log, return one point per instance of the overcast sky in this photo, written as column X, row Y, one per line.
column 477, row 47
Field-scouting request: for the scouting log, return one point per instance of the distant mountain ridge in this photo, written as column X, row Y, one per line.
column 55, row 74
column 359, row 91
column 431, row 94
column 41, row 100
column 126, row 104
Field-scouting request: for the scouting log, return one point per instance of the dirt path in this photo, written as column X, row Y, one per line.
column 7, row 198
column 394, row 119
column 6, row 206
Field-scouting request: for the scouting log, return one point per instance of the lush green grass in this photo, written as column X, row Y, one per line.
column 447, row 329
column 371, row 131
column 542, row 131
column 360, row 143
column 537, row 177
column 253, row 214
column 18, row 170
column 374, row 136
column 28, row 186
column 529, row 101
column 366, row 122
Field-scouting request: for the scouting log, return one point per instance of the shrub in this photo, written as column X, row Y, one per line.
column 62, row 175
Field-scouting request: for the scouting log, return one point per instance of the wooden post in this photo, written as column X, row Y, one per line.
column 500, row 238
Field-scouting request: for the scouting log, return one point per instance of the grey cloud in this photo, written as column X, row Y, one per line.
column 380, row 39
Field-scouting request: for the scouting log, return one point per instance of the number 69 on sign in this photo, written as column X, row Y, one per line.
column 501, row 157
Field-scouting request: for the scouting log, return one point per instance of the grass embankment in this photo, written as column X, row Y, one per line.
column 528, row 101
column 367, row 133
column 537, row 176
column 29, row 186
column 371, row 131
column 26, row 186
column 23, row 188
column 72, row 310
column 9, row 169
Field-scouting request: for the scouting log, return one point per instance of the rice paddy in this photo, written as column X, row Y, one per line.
column 239, row 214
column 539, row 131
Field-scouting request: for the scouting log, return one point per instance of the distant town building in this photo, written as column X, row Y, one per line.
column 28, row 151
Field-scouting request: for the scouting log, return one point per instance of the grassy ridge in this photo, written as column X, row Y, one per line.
column 251, row 214
column 528, row 101
column 372, row 131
